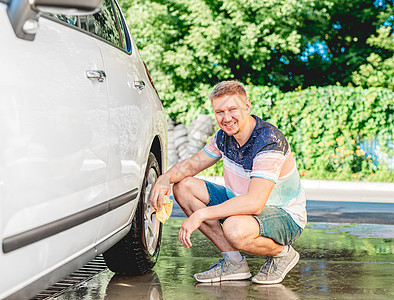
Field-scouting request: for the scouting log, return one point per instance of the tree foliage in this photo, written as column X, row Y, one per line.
column 335, row 47
column 379, row 69
column 281, row 49
column 189, row 45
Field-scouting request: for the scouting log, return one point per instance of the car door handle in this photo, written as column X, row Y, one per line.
column 96, row 74
column 139, row 84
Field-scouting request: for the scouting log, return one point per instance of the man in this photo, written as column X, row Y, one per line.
column 262, row 208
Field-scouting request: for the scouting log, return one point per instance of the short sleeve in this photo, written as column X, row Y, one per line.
column 268, row 164
column 211, row 149
column 271, row 154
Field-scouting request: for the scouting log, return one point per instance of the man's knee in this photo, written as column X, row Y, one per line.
column 181, row 188
column 190, row 189
column 237, row 232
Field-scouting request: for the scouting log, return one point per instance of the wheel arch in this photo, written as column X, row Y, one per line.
column 157, row 150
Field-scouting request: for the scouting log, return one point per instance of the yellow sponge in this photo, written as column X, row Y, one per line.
column 165, row 212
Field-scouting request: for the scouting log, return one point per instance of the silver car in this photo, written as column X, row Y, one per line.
column 83, row 138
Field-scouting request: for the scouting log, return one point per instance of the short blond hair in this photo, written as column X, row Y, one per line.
column 230, row 87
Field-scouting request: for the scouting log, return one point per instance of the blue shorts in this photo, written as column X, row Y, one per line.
column 274, row 222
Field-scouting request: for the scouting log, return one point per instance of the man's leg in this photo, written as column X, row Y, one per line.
column 192, row 194
column 243, row 233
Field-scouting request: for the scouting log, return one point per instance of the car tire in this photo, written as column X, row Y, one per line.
column 138, row 251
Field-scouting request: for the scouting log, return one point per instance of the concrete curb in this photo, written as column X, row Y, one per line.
column 324, row 190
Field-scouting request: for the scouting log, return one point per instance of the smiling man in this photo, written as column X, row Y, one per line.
column 261, row 210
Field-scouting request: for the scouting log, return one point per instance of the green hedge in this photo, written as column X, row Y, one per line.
column 325, row 127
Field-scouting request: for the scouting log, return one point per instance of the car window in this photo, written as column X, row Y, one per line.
column 72, row 20
column 122, row 29
column 103, row 24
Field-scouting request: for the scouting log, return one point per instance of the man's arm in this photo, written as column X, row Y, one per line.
column 251, row 203
column 186, row 168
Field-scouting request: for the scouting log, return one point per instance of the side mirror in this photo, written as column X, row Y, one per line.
column 24, row 14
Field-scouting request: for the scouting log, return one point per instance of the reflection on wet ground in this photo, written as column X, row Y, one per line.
column 338, row 261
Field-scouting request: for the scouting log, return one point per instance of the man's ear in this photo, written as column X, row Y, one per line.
column 248, row 105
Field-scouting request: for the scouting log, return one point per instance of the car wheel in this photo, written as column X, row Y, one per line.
column 138, row 251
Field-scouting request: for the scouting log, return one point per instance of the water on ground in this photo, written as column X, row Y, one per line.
column 338, row 261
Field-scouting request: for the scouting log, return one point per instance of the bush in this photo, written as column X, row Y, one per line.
column 325, row 127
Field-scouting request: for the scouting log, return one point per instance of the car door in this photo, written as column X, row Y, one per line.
column 54, row 128
column 130, row 115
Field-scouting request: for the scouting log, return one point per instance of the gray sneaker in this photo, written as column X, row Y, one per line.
column 275, row 269
column 225, row 270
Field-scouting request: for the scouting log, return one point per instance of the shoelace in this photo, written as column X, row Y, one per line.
column 223, row 264
column 269, row 265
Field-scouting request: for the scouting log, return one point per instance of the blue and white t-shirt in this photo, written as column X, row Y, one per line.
column 267, row 155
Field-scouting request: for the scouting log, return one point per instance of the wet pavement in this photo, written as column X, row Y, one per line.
column 350, row 212
column 339, row 212
column 338, row 261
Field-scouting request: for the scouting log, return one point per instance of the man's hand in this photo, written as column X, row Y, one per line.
column 162, row 187
column 187, row 228
column 186, row 168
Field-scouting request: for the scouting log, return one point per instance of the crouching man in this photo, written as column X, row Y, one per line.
column 261, row 210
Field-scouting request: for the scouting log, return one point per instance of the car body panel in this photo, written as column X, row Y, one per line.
column 73, row 149
column 55, row 145
column 128, row 144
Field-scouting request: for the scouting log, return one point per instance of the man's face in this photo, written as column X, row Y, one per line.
column 231, row 112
